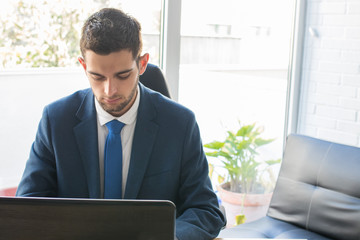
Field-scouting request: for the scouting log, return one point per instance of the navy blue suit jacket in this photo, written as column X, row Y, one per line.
column 167, row 159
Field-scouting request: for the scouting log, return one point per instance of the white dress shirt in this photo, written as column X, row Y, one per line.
column 127, row 135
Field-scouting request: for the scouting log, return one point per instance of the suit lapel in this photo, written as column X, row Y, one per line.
column 87, row 140
column 144, row 137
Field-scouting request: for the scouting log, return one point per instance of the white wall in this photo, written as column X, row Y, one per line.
column 330, row 91
column 23, row 95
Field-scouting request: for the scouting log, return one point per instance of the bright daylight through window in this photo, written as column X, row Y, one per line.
column 46, row 33
column 38, row 61
column 233, row 68
column 234, row 57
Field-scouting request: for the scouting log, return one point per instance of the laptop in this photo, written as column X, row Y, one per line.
column 90, row 219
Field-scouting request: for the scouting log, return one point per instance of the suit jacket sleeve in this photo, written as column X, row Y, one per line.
column 199, row 214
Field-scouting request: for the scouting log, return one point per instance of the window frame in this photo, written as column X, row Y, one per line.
column 295, row 68
column 170, row 44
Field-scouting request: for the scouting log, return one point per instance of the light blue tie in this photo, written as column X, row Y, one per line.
column 113, row 161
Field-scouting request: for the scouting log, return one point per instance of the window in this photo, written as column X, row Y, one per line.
column 233, row 66
column 38, row 62
column 46, row 33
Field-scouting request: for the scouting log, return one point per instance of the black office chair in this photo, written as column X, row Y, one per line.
column 154, row 79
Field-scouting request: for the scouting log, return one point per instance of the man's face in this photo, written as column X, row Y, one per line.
column 113, row 78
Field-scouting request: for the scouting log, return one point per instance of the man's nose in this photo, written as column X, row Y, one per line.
column 110, row 87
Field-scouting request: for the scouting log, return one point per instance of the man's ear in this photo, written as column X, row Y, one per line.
column 82, row 62
column 143, row 61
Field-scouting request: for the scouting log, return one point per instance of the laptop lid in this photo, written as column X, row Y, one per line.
column 90, row 219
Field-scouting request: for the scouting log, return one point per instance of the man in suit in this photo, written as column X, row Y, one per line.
column 162, row 154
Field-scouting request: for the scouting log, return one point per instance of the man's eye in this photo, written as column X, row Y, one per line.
column 98, row 78
column 123, row 77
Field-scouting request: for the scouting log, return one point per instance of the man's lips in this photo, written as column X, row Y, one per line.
column 112, row 100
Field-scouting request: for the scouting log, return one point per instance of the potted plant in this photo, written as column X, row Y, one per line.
column 244, row 182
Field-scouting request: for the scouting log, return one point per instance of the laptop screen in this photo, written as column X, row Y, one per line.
column 58, row 218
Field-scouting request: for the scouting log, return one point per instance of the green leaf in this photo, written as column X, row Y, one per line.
column 231, row 136
column 224, row 154
column 214, row 145
column 274, row 161
column 243, row 145
column 230, row 149
column 245, row 130
column 260, row 141
column 241, row 132
column 231, row 144
column 212, row 154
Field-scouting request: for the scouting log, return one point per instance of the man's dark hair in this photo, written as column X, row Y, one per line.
column 111, row 30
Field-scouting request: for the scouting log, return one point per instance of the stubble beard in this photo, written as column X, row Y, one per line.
column 115, row 110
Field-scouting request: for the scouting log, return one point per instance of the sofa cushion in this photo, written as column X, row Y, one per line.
column 318, row 188
column 268, row 227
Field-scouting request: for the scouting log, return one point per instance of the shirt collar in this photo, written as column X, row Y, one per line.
column 127, row 118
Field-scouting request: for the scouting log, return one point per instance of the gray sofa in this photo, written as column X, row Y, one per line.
column 317, row 194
